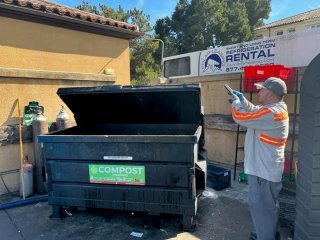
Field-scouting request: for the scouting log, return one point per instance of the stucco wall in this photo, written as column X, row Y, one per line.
column 36, row 60
column 32, row 86
column 221, row 144
column 28, row 45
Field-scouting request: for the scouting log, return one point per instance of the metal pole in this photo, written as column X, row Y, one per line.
column 237, row 143
column 236, row 154
column 294, row 122
column 21, row 151
column 162, row 50
column 214, row 40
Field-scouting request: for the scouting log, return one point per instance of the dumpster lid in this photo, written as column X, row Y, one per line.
column 162, row 104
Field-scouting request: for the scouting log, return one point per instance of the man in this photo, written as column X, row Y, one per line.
column 267, row 132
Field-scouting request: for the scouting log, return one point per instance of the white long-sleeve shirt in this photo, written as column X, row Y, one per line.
column 267, row 132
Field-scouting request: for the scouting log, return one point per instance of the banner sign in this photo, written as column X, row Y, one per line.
column 233, row 58
column 117, row 174
column 292, row 50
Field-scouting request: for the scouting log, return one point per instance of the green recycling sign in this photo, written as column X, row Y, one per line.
column 117, row 174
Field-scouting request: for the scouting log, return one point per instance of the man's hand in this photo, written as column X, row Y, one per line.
column 239, row 95
column 232, row 97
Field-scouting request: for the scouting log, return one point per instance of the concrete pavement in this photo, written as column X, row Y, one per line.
column 221, row 215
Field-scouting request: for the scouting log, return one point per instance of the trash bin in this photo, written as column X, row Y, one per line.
column 135, row 148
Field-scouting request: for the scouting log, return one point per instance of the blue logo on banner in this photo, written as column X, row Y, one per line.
column 212, row 62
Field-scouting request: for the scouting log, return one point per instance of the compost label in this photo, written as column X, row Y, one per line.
column 117, row 174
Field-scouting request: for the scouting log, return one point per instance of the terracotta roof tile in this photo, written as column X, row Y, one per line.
column 23, row 3
column 315, row 13
column 37, row 5
column 53, row 8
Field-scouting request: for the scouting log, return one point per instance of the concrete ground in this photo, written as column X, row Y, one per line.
column 221, row 215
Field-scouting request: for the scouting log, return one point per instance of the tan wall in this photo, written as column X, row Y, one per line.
column 221, row 145
column 29, row 89
column 299, row 26
column 28, row 45
column 34, row 86
column 43, row 90
column 37, row 59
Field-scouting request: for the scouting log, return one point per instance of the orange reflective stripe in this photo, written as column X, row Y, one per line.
column 280, row 116
column 249, row 115
column 271, row 143
column 272, row 140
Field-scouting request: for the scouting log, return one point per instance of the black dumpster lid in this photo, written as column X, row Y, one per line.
column 162, row 104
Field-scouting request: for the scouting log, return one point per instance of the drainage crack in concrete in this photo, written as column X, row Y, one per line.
column 15, row 225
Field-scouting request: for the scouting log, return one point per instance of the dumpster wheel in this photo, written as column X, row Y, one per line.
column 188, row 223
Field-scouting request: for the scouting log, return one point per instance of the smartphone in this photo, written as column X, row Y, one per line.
column 229, row 89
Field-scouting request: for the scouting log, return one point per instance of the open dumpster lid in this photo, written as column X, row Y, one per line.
column 163, row 104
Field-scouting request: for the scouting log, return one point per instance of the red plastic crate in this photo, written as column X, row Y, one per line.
column 286, row 168
column 288, row 75
column 254, row 74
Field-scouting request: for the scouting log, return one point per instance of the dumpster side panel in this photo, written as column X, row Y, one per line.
column 156, row 152
column 170, row 184
column 148, row 199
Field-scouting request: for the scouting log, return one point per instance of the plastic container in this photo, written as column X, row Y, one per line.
column 218, row 178
column 287, row 164
column 254, row 74
column 243, row 177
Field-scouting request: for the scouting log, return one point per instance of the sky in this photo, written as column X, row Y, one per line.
column 162, row 8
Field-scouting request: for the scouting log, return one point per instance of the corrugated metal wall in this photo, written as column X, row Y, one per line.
column 307, row 224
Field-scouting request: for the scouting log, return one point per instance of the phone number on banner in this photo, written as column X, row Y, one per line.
column 234, row 69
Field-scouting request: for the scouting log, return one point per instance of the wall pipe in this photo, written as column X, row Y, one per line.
column 24, row 202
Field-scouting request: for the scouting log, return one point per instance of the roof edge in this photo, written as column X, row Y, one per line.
column 27, row 14
column 275, row 24
column 300, row 17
